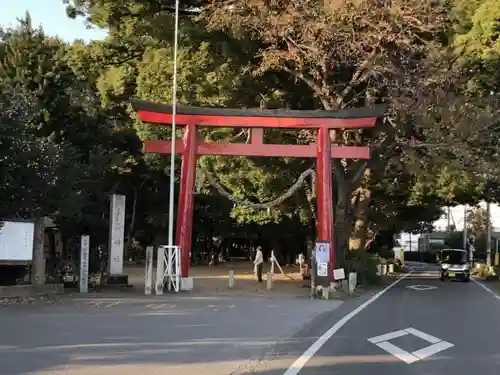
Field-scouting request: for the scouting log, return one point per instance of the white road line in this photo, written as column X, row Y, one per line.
column 388, row 336
column 423, row 335
column 311, row 351
column 486, row 289
column 398, row 352
column 433, row 349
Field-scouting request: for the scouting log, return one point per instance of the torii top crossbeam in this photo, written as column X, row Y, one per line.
column 250, row 118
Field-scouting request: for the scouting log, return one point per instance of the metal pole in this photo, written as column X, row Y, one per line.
column 488, row 234
column 496, row 252
column 174, row 120
column 448, row 214
column 465, row 227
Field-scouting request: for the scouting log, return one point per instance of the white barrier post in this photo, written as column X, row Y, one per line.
column 148, row 277
column 391, row 269
column 352, row 282
column 160, row 269
column 269, row 281
column 84, row 263
column 231, row 279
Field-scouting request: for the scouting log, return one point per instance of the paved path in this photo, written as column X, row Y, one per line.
column 421, row 326
column 157, row 335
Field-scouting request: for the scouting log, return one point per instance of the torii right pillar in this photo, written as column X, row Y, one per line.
column 324, row 193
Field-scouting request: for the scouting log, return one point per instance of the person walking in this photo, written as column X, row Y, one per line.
column 258, row 264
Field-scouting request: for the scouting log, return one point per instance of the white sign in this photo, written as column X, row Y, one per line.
column 84, row 264
column 116, row 234
column 339, row 274
column 322, row 269
column 437, row 345
column 322, row 252
column 16, row 241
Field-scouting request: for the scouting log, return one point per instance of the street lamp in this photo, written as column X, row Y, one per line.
column 174, row 120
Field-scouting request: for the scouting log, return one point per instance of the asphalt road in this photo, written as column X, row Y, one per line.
column 421, row 326
column 430, row 327
column 167, row 334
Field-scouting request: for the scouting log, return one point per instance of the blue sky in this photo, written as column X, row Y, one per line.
column 51, row 15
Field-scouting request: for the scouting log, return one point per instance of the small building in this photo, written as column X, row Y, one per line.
column 432, row 242
column 436, row 241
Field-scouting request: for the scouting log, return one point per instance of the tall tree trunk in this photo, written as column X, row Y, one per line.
column 342, row 226
column 362, row 200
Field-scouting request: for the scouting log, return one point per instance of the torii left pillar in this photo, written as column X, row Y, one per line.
column 190, row 148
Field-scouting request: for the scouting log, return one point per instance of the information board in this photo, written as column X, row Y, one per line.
column 16, row 241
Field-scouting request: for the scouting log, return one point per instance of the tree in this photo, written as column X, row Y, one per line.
column 37, row 174
column 477, row 220
column 384, row 60
column 67, row 111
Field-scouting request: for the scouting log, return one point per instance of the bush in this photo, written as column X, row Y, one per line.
column 365, row 265
column 485, row 272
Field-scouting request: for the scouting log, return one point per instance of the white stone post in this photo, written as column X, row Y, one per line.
column 148, row 277
column 84, row 263
column 230, row 278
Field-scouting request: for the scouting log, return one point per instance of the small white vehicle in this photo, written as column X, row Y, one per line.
column 454, row 264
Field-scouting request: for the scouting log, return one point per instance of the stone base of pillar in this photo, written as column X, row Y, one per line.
column 187, row 284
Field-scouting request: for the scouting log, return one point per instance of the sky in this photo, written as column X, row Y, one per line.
column 50, row 14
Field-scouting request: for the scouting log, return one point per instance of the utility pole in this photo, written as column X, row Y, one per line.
column 488, row 234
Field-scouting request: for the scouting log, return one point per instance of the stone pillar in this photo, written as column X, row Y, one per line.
column 38, row 264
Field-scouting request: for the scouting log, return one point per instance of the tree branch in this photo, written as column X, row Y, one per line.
column 358, row 76
column 317, row 89
column 360, row 172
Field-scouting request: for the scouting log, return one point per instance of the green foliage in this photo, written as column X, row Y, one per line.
column 37, row 174
column 365, row 265
column 477, row 41
column 64, row 112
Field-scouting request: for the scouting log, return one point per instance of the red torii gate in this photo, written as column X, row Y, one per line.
column 190, row 147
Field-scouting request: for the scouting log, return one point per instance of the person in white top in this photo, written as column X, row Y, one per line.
column 258, row 264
